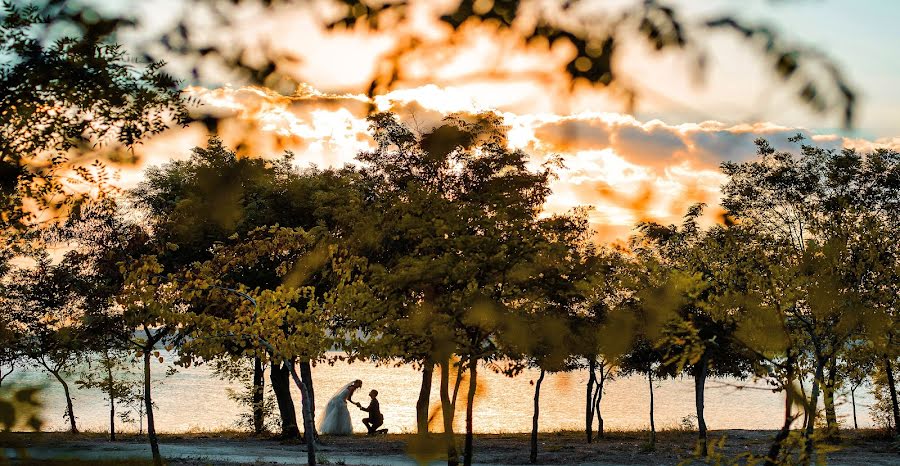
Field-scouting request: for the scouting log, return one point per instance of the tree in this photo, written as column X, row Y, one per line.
column 659, row 291
column 9, row 354
column 881, row 410
column 817, row 212
column 150, row 306
column 645, row 358
column 701, row 339
column 283, row 321
column 99, row 238
column 62, row 94
column 545, row 333
column 111, row 375
column 815, row 202
column 605, row 326
column 856, row 368
column 763, row 292
column 48, row 312
column 252, row 394
column 197, row 203
column 461, row 209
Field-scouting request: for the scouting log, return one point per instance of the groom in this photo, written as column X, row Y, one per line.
column 375, row 419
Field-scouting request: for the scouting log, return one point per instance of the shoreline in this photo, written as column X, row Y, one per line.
column 862, row 447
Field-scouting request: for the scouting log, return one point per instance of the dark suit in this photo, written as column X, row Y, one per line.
column 375, row 419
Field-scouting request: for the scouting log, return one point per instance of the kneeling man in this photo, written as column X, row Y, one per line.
column 375, row 419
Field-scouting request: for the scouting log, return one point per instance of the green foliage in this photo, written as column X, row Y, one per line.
column 46, row 315
column 881, row 410
column 701, row 331
column 112, row 373
column 436, row 249
column 60, row 94
column 240, row 370
column 20, row 407
column 287, row 321
column 458, row 240
column 597, row 37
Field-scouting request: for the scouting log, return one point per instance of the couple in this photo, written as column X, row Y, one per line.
column 336, row 418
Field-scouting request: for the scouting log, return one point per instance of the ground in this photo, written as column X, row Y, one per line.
column 617, row 448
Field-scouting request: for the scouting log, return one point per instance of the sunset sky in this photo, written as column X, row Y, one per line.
column 647, row 165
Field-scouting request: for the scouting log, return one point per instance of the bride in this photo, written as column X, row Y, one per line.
column 336, row 418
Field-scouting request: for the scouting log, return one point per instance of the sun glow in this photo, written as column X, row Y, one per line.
column 624, row 169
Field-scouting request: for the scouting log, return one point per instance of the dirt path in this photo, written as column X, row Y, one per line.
column 618, row 448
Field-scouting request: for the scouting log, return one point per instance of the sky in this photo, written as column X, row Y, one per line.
column 649, row 163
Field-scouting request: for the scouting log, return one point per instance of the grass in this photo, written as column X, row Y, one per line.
column 609, row 434
column 555, row 447
column 92, row 462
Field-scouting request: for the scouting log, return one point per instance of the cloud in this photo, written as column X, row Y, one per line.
column 653, row 144
column 869, row 146
column 572, row 134
column 713, row 142
column 626, row 170
column 657, row 144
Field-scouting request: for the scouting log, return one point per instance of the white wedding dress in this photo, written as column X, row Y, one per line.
column 336, row 418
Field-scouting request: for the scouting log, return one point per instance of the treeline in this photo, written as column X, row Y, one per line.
column 435, row 252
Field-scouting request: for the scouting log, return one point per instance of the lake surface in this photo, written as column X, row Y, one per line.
column 194, row 399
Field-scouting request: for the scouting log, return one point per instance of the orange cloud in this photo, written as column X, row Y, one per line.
column 625, row 169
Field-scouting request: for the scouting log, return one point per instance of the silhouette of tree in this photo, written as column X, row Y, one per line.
column 47, row 311
column 823, row 206
column 461, row 230
column 63, row 94
column 644, row 358
column 701, row 338
column 607, row 325
column 198, row 203
column 289, row 315
column 99, row 239
column 546, row 335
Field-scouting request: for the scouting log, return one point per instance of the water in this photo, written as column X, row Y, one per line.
column 195, row 400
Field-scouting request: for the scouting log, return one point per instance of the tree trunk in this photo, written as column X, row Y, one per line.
column 308, row 427
column 70, row 411
column 813, row 404
column 598, row 397
column 258, row 396
column 112, row 419
column 3, row 375
column 148, row 406
column 307, row 378
column 534, row 418
column 699, row 388
column 853, row 402
column 652, row 421
column 805, row 409
column 470, row 404
column 447, row 414
column 775, row 448
column 828, row 385
column 141, row 419
column 460, row 376
column 279, row 375
column 595, row 403
column 112, row 399
column 589, row 402
column 892, row 387
column 422, row 404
